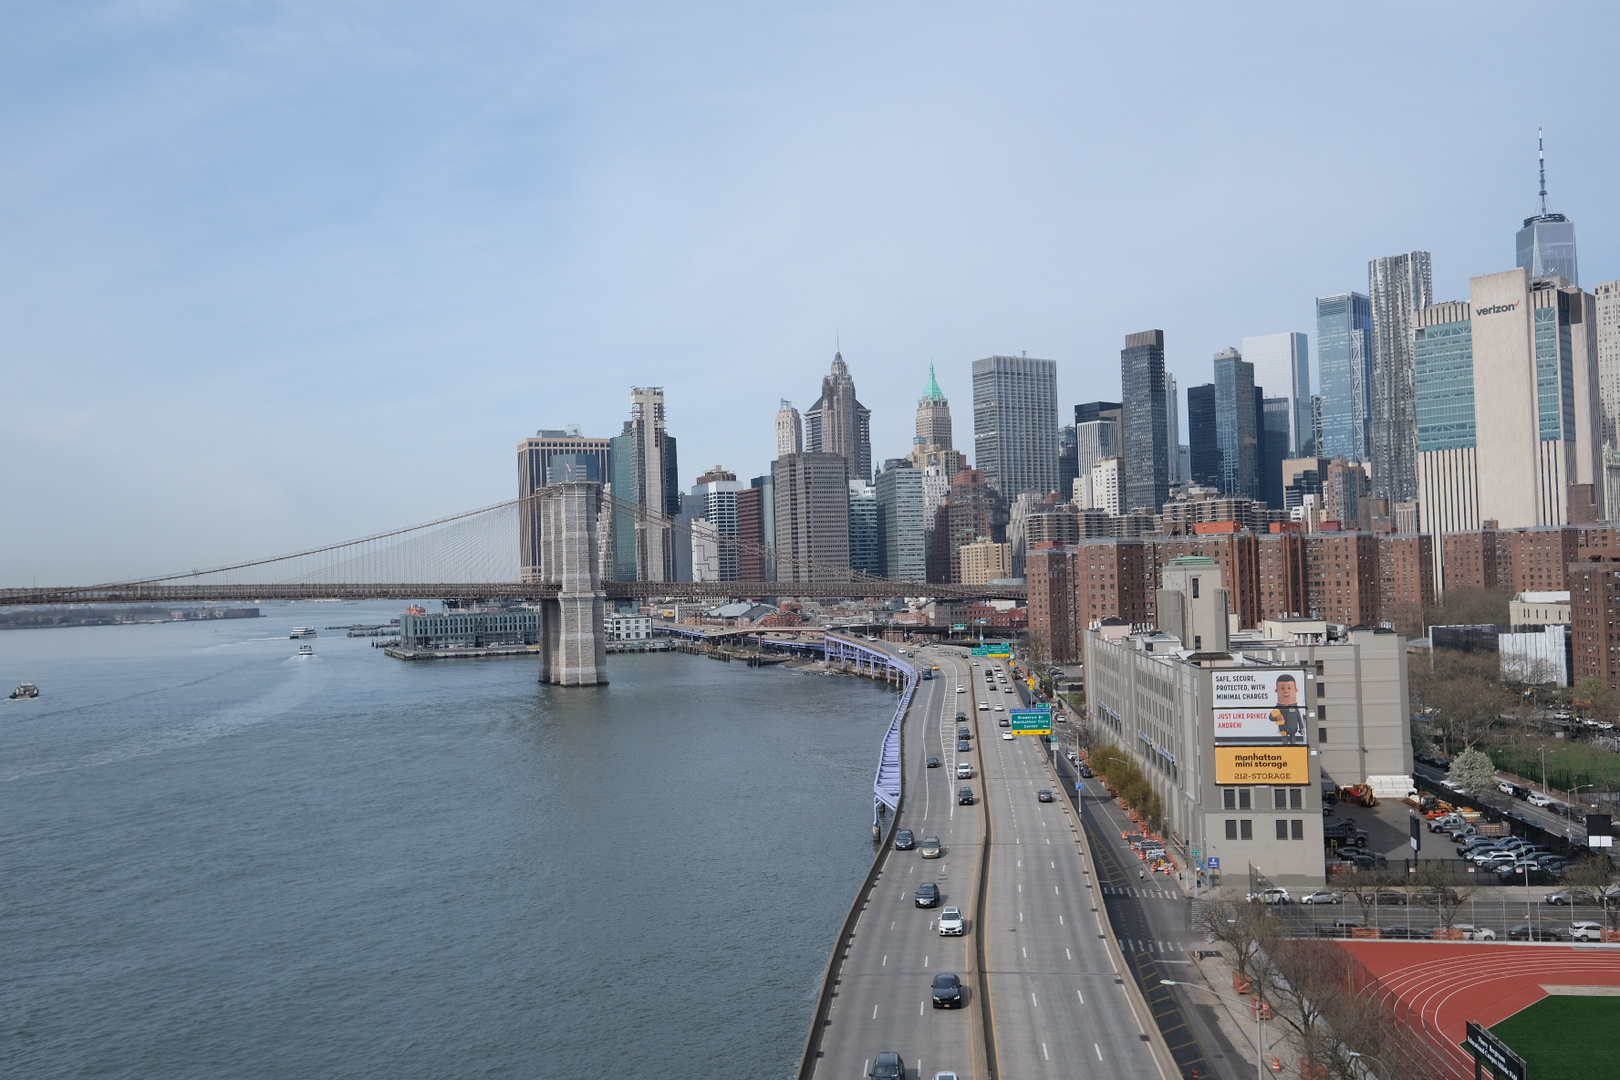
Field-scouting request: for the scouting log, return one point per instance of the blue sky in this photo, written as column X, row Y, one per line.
column 276, row 274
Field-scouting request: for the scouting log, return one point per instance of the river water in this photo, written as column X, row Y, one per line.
column 218, row 859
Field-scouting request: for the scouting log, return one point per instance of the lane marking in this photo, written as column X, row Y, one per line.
column 1044, row 1054
column 1097, row 1048
column 1033, row 1003
column 1068, row 954
column 885, row 960
column 1082, row 997
column 874, row 1012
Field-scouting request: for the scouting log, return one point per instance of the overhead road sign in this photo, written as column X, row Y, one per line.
column 1030, row 721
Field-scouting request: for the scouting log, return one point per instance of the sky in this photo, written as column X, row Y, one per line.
column 278, row 274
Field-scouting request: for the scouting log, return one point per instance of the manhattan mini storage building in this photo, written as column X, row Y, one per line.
column 1237, row 731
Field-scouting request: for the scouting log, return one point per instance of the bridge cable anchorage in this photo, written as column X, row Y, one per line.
column 476, row 553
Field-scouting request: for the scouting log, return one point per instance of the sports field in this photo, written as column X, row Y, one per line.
column 1566, row 1037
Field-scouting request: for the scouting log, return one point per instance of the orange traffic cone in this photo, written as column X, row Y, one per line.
column 1276, row 1065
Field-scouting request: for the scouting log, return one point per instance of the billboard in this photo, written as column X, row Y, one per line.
column 1262, row 765
column 1256, row 706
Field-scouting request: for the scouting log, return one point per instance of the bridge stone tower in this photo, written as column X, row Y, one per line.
column 573, row 646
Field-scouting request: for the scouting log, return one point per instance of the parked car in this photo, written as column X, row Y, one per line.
column 1408, row 933
column 1269, row 896
column 1339, row 928
column 904, row 840
column 1536, row 798
column 1470, row 932
column 1586, row 931
column 1437, row 896
column 1321, row 897
column 1389, row 898
column 1526, row 932
column 1569, row 897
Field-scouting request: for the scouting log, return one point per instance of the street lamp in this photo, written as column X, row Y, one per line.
column 1259, row 1029
column 1369, row 1057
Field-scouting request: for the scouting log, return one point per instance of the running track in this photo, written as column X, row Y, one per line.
column 1442, row 986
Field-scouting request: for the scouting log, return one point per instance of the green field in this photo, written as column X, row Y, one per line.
column 1569, row 765
column 1566, row 1038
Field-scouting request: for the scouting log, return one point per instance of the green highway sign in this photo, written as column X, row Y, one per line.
column 960, row 626
column 1030, row 721
column 1004, row 649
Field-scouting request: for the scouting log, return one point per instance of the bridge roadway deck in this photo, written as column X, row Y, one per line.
column 1058, row 1006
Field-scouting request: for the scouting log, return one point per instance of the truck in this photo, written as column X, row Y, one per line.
column 1343, row 831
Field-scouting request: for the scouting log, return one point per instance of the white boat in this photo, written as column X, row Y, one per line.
column 306, row 650
column 26, row 690
column 302, row 631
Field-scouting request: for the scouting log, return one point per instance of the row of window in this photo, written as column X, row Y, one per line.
column 1287, row 829
column 1282, row 798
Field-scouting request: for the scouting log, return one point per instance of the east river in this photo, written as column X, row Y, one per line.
column 219, row 859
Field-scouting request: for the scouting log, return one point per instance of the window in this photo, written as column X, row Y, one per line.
column 1243, row 798
column 1296, row 800
column 1298, row 826
column 1231, row 828
column 1229, row 798
column 1321, row 734
column 1282, row 828
column 1321, row 712
column 1195, row 588
column 1279, row 799
column 1245, row 829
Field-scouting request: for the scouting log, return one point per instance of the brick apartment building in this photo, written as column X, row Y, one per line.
column 1594, row 616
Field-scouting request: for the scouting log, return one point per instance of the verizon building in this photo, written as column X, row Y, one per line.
column 1237, row 732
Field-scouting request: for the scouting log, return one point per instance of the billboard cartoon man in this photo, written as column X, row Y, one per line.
column 1288, row 716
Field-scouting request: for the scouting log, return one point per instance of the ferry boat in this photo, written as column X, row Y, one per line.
column 26, row 690
column 306, row 650
column 302, row 631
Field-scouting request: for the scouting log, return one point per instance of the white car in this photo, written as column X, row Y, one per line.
column 1269, row 896
column 1504, row 787
column 984, row 706
column 1470, row 932
column 1007, row 736
column 999, row 707
column 961, row 689
column 950, row 923
column 1322, row 897
column 1536, row 798
column 1586, row 931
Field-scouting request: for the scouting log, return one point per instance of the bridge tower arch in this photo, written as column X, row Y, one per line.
column 573, row 642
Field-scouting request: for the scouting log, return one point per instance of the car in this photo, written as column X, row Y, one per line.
column 1389, row 898
column 963, row 746
column 1004, row 721
column 1085, row 771
column 945, row 1076
column 930, row 847
column 1436, row 896
column 1269, row 896
column 1504, row 787
column 1339, row 928
column 904, row 840
column 887, row 1066
column 1364, row 860
column 1408, row 933
column 1470, row 932
column 1586, row 931
column 964, row 733
column 961, row 689
column 1043, row 795
column 932, row 763
column 1536, row 798
column 1526, row 932
column 1006, row 736
column 927, row 894
column 1321, row 897
column 1568, row 896
column 999, row 707
column 964, row 796
column 984, row 706
column 960, row 715
column 951, row 923
column 947, row 990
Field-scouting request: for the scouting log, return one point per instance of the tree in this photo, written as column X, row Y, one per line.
column 1247, row 930
column 1462, row 695
column 1436, row 887
column 1364, row 887
column 1593, row 875
column 1473, row 771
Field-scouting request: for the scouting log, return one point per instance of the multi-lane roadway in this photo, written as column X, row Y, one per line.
column 1044, row 996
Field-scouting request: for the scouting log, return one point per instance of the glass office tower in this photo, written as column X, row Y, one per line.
column 1344, row 370
column 1145, row 426
column 1237, row 425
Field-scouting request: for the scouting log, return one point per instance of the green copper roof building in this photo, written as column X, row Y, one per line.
column 933, row 417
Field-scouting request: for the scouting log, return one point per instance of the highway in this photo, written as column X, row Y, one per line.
column 1058, row 1005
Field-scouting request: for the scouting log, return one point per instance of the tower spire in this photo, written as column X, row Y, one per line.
column 932, row 392
column 1541, row 164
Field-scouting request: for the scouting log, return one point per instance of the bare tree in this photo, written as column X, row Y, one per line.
column 1364, row 886
column 1592, row 876
column 1247, row 930
column 1437, row 887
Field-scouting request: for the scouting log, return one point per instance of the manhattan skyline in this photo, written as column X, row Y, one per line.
column 252, row 255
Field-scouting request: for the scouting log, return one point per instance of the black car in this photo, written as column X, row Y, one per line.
column 1526, row 932
column 1389, row 898
column 964, row 733
column 1085, row 771
column 1043, row 796
column 1407, row 933
column 905, row 840
column 932, row 763
column 964, row 796
column 947, row 991
column 888, row 1066
column 961, row 716
column 1363, row 860
column 963, row 745
column 927, row 894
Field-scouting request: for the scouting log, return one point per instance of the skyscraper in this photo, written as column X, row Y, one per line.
column 902, row 527
column 789, row 430
column 1276, row 416
column 1015, row 441
column 553, row 457
column 1145, row 426
column 931, row 445
column 1172, row 423
column 1399, row 286
column 714, row 499
column 1607, row 297
column 1203, row 448
column 839, row 424
column 1282, row 364
column 1508, row 420
column 1097, row 435
column 1545, row 246
column 865, row 545
column 1344, row 361
column 645, row 477
column 1237, row 429
column 812, row 517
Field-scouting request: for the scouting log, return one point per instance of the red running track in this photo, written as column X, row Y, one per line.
column 1439, row 987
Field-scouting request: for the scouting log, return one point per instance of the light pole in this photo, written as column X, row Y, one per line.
column 1259, row 1028
column 1358, row 1055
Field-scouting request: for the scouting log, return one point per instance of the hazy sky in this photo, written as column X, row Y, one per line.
column 277, row 274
